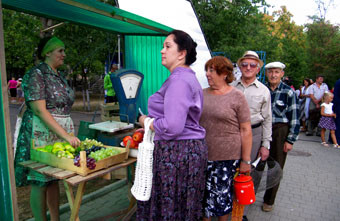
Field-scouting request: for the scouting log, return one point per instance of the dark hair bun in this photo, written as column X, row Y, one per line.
column 185, row 42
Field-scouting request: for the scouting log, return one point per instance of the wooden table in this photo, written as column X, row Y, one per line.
column 71, row 179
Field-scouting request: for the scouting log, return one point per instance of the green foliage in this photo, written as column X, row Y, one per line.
column 233, row 27
column 229, row 26
column 86, row 48
column 323, row 50
column 21, row 35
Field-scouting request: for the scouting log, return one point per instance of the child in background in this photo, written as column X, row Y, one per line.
column 327, row 119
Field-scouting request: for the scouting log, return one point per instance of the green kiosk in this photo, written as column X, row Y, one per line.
column 142, row 43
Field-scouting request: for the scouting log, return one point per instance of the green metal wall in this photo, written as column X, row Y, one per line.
column 6, row 209
column 143, row 53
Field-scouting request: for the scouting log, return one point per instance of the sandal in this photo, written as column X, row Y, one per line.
column 336, row 146
column 324, row 144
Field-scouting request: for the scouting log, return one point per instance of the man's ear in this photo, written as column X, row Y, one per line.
column 258, row 69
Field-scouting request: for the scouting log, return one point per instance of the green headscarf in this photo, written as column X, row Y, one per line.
column 51, row 45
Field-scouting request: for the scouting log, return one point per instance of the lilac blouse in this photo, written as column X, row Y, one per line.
column 177, row 107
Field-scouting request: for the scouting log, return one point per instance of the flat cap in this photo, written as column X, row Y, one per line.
column 275, row 64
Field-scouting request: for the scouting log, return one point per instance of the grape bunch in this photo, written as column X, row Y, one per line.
column 104, row 153
column 94, row 148
column 90, row 162
column 88, row 143
column 76, row 161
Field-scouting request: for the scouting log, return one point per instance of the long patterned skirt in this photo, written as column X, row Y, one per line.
column 178, row 181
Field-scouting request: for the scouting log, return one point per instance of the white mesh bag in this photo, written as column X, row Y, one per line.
column 141, row 188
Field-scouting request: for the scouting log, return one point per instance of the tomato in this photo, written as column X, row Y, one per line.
column 138, row 136
column 126, row 139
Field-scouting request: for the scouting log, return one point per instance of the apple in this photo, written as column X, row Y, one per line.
column 69, row 148
column 138, row 136
column 133, row 144
column 49, row 148
column 58, row 145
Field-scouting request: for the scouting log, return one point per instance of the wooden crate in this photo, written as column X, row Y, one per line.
column 67, row 164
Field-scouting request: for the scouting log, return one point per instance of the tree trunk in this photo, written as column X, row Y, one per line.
column 86, row 97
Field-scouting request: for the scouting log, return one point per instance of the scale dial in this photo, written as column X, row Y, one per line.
column 130, row 83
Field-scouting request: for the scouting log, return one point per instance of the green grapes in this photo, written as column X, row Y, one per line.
column 104, row 153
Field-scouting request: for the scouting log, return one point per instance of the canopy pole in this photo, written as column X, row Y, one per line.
column 9, row 208
column 118, row 51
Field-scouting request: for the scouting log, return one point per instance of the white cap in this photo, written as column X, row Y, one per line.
column 275, row 64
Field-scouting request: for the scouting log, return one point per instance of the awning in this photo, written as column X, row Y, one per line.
column 91, row 13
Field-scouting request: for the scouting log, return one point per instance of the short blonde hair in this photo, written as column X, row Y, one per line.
column 327, row 94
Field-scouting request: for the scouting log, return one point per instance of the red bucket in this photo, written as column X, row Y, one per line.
column 244, row 189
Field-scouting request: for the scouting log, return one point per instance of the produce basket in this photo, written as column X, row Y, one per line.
column 68, row 164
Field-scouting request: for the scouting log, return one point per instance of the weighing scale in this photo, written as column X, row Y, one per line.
column 127, row 84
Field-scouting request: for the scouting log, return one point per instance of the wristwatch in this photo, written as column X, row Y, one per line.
column 247, row 161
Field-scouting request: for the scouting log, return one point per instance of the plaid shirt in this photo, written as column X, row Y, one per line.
column 285, row 109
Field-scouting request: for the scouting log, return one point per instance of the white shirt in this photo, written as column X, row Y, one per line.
column 328, row 108
column 307, row 102
column 318, row 91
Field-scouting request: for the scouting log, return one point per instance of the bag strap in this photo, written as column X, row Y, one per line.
column 148, row 133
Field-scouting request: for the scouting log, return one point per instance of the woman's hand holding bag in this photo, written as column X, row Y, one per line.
column 142, row 186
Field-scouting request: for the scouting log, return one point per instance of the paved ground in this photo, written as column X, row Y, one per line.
column 309, row 190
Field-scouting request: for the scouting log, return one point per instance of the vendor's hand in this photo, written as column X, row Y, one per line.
column 287, row 147
column 74, row 141
column 141, row 120
column 245, row 168
column 263, row 153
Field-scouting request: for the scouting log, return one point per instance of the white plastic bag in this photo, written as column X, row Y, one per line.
column 142, row 186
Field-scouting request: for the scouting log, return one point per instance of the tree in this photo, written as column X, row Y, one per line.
column 21, row 35
column 87, row 49
column 323, row 7
column 230, row 26
column 291, row 44
column 323, row 49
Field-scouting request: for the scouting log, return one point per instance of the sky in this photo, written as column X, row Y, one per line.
column 303, row 8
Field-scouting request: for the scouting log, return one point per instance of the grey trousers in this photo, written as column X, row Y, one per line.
column 256, row 145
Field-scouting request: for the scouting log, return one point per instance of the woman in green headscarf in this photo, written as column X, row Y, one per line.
column 49, row 99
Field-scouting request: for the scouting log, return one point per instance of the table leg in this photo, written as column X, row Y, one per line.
column 77, row 202
column 70, row 196
column 133, row 202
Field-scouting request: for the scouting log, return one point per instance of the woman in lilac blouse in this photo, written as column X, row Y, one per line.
column 180, row 153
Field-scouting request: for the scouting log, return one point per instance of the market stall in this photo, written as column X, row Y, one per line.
column 139, row 34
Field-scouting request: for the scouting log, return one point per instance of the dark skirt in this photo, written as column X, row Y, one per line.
column 178, row 181
column 327, row 123
column 13, row 92
column 218, row 197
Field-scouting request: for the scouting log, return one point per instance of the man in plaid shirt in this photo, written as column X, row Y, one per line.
column 286, row 124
